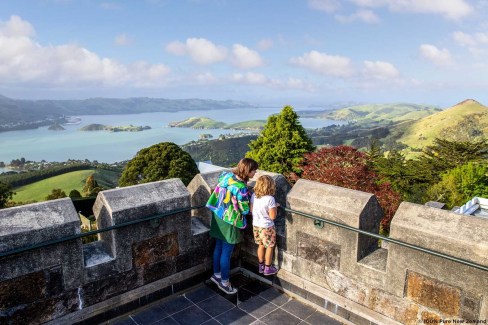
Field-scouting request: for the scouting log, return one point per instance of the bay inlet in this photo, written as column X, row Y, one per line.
column 103, row 146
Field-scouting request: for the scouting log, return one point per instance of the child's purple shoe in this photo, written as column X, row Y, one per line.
column 270, row 270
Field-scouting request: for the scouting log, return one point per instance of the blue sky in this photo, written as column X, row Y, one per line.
column 267, row 52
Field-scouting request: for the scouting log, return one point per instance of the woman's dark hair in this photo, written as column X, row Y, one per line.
column 244, row 168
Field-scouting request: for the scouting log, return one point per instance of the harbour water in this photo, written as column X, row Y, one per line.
column 103, row 146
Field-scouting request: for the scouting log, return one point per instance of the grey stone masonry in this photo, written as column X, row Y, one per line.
column 32, row 224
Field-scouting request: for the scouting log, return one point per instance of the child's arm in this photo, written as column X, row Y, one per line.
column 272, row 213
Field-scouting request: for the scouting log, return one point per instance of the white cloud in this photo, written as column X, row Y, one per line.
column 252, row 78
column 200, row 50
column 205, row 78
column 451, row 9
column 24, row 60
column 122, row 40
column 330, row 65
column 110, row 6
column 473, row 40
column 365, row 16
column 265, row 44
column 380, row 70
column 440, row 57
column 245, row 58
column 16, row 27
column 328, row 6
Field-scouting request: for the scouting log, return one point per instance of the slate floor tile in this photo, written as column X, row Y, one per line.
column 235, row 316
column 149, row 316
column 175, row 305
column 275, row 296
column 280, row 317
column 244, row 295
column 211, row 322
column 298, row 309
column 166, row 321
column 200, row 294
column 257, row 306
column 215, row 305
column 319, row 318
column 191, row 316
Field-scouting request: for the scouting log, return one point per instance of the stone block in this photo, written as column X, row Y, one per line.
column 430, row 318
column 155, row 249
column 433, row 294
column 319, row 251
column 22, row 290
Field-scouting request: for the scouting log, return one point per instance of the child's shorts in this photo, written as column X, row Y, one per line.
column 265, row 236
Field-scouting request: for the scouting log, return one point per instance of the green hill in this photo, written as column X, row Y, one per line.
column 462, row 122
column 198, row 123
column 73, row 180
column 386, row 113
column 208, row 123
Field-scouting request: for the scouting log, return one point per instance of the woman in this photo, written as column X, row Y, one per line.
column 229, row 203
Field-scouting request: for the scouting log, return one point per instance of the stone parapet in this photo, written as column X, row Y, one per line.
column 46, row 284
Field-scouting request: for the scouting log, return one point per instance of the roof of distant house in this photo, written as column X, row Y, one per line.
column 477, row 206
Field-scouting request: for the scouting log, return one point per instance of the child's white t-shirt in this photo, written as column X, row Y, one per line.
column 260, row 208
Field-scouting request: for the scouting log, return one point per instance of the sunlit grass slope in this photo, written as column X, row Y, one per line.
column 70, row 181
column 422, row 133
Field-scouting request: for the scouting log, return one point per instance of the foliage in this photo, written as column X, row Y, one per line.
column 224, row 152
column 74, row 194
column 281, row 144
column 5, row 194
column 56, row 193
column 347, row 167
column 91, row 187
column 461, row 184
column 160, row 161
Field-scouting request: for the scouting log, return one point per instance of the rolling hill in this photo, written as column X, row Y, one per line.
column 465, row 121
column 378, row 113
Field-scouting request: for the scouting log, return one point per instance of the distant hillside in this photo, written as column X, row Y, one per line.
column 222, row 152
column 208, row 123
column 383, row 113
column 462, row 122
column 17, row 114
column 101, row 127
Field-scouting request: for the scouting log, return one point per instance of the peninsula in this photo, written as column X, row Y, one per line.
column 208, row 123
column 101, row 127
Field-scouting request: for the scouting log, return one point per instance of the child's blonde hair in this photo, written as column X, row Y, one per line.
column 265, row 185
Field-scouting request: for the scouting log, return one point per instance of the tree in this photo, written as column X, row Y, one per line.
column 281, row 144
column 74, row 194
column 347, row 167
column 461, row 184
column 56, row 193
column 5, row 194
column 91, row 187
column 160, row 161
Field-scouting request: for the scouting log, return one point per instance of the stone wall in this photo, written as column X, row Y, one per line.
column 340, row 267
column 70, row 282
column 340, row 270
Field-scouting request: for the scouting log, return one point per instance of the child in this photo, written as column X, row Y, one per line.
column 264, row 209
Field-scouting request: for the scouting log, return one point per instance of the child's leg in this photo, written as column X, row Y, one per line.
column 261, row 253
column 269, row 255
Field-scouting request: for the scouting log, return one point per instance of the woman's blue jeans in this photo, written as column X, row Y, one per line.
column 221, row 258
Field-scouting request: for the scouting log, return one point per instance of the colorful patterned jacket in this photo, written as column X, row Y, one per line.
column 230, row 200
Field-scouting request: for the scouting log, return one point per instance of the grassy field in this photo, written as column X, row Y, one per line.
column 74, row 180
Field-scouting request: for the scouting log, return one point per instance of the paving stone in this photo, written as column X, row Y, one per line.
column 235, row 316
column 150, row 315
column 257, row 306
column 200, row 294
column 216, row 305
column 191, row 316
column 175, row 305
column 280, row 317
column 275, row 296
column 298, row 309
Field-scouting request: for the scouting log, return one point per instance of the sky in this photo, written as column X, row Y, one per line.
column 266, row 52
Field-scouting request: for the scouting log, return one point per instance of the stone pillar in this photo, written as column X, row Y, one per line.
column 132, row 203
column 312, row 251
column 451, row 289
column 31, row 283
